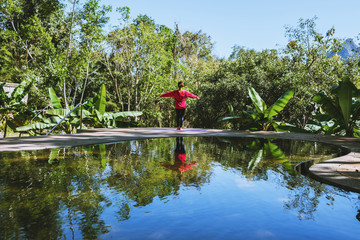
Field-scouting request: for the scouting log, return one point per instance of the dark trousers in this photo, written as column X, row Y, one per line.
column 180, row 148
column 180, row 113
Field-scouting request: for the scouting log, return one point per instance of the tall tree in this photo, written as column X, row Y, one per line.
column 309, row 65
column 138, row 62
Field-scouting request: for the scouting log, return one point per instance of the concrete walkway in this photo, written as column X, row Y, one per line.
column 343, row 171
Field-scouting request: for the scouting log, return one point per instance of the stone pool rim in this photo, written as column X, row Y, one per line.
column 343, row 171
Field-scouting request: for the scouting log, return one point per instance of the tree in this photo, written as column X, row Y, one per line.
column 309, row 67
column 13, row 111
column 138, row 63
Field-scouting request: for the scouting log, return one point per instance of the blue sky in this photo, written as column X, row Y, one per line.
column 253, row 24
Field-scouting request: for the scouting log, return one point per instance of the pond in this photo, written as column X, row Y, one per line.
column 174, row 188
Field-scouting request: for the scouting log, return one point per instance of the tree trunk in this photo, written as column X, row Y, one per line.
column 129, row 99
column 82, row 94
column 5, row 129
column 67, row 54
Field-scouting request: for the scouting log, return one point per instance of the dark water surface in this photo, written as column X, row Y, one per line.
column 191, row 188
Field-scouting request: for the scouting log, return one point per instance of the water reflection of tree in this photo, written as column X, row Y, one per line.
column 257, row 158
column 60, row 193
column 143, row 178
column 63, row 192
column 36, row 192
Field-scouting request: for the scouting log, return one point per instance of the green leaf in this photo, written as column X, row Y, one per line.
column 255, row 160
column 229, row 118
column 274, row 151
column 20, row 92
column 101, row 101
column 54, row 152
column 313, row 127
column 231, row 110
column 99, row 116
column 102, row 149
column 11, row 124
column 35, row 126
column 85, row 113
column 344, row 93
column 328, row 105
column 58, row 112
column 53, row 119
column 119, row 115
column 279, row 104
column 288, row 128
column 258, row 102
column 322, row 117
column 54, row 99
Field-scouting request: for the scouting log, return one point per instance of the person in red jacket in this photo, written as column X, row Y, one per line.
column 180, row 96
column 180, row 158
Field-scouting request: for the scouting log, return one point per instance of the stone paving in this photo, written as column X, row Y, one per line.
column 342, row 171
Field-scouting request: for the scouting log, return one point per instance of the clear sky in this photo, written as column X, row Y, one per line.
column 253, row 24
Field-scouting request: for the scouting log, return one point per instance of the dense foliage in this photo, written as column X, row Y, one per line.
column 64, row 45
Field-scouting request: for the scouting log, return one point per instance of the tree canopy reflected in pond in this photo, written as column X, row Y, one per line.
column 87, row 192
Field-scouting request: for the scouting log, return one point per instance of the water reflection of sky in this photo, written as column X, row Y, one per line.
column 232, row 207
column 124, row 191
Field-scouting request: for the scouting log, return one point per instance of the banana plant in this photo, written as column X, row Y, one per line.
column 271, row 152
column 52, row 116
column 262, row 118
column 13, row 111
column 102, row 119
column 341, row 110
column 93, row 114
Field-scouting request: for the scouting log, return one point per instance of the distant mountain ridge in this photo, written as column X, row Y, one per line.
column 349, row 49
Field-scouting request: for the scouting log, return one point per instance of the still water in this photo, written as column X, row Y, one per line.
column 173, row 188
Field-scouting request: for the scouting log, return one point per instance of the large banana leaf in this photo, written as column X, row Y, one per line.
column 20, row 91
column 230, row 118
column 62, row 113
column 255, row 160
column 54, row 152
column 98, row 115
column 101, row 100
column 231, row 110
column 102, row 149
column 274, row 150
column 120, row 115
column 58, row 112
column 52, row 119
column 35, row 126
column 258, row 102
column 54, row 99
column 85, row 114
column 344, row 92
column 277, row 154
column 328, row 105
column 279, row 104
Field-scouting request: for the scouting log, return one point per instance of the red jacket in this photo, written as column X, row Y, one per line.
column 179, row 97
column 180, row 163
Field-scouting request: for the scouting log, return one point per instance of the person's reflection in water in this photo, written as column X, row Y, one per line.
column 180, row 158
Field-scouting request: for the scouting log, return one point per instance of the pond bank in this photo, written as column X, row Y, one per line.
column 342, row 171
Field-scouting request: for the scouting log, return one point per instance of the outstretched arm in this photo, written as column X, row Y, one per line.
column 168, row 94
column 190, row 95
